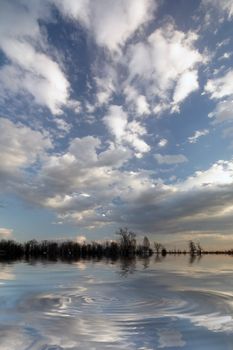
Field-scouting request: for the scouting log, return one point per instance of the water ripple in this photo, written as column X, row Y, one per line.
column 137, row 313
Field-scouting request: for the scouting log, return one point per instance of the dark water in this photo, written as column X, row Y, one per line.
column 144, row 304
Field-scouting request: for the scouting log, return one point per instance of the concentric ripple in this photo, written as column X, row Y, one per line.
column 147, row 310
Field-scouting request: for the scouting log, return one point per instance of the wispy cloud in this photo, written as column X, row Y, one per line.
column 170, row 158
column 110, row 22
column 197, row 134
column 31, row 70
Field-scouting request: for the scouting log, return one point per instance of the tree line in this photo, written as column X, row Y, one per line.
column 126, row 245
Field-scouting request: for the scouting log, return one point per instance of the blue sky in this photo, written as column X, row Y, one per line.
column 116, row 113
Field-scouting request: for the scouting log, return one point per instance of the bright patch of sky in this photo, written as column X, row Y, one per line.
column 116, row 113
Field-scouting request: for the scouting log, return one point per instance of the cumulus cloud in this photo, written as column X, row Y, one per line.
column 84, row 184
column 20, row 146
column 92, row 178
column 165, row 64
column 170, row 158
column 220, row 173
column 162, row 142
column 111, row 22
column 62, row 125
column 222, row 112
column 187, row 83
column 220, row 87
column 201, row 203
column 71, row 180
column 197, row 134
column 83, row 187
column 105, row 86
column 126, row 132
column 30, row 69
column 139, row 101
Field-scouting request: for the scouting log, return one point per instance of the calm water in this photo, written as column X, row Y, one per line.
column 145, row 304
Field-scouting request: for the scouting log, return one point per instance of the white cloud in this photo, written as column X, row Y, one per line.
column 197, row 135
column 84, row 150
column 165, row 64
column 225, row 56
column 220, row 87
column 62, row 125
column 114, row 156
column 81, row 183
column 187, row 83
column 84, row 186
column 125, row 132
column 139, row 101
column 20, row 146
column 170, row 158
column 30, row 70
column 105, row 86
column 116, row 121
column 162, row 142
column 24, row 16
column 161, row 107
column 111, row 22
column 223, row 6
column 142, row 105
column 75, row 106
column 89, row 182
column 223, row 112
column 220, row 173
column 5, row 232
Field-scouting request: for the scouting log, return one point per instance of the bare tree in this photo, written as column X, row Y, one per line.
column 127, row 240
column 199, row 248
column 146, row 246
column 192, row 248
column 158, row 247
column 146, row 243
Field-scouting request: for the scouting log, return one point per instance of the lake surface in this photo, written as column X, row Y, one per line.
column 167, row 303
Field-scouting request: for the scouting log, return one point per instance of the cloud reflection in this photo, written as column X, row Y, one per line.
column 150, row 309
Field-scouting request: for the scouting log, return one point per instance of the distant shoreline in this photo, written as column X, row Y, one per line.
column 125, row 247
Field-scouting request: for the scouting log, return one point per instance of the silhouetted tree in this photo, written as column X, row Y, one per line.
column 164, row 251
column 146, row 243
column 127, row 241
column 145, row 248
column 158, row 247
column 192, row 248
column 199, row 249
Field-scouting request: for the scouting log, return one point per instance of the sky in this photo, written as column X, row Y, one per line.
column 117, row 113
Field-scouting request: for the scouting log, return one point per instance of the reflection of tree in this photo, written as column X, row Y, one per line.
column 127, row 266
column 199, row 249
column 158, row 258
column 146, row 262
column 194, row 258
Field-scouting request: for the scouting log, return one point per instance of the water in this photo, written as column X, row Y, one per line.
column 147, row 304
